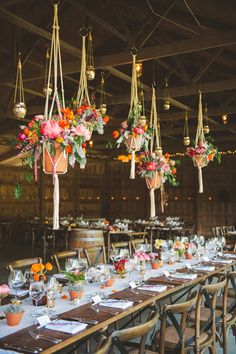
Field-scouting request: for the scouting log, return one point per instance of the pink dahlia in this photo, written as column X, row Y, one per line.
column 50, row 129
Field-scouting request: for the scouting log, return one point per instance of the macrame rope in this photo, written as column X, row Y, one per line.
column 152, row 203
column 83, row 84
column 19, row 84
column 154, row 122
column 134, row 85
column 200, row 138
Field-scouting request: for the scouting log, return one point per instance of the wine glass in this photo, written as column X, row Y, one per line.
column 16, row 280
column 28, row 276
column 71, row 264
column 104, row 276
column 36, row 291
column 114, row 255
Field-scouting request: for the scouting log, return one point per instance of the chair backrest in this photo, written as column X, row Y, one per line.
column 103, row 346
column 95, row 254
column 178, row 322
column 208, row 295
column 57, row 257
column 231, row 285
column 219, row 231
column 138, row 241
column 23, row 263
column 121, row 245
column 141, row 331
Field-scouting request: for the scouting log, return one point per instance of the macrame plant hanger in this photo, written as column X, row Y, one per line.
column 200, row 161
column 57, row 163
column 19, row 108
column 134, row 143
column 155, row 148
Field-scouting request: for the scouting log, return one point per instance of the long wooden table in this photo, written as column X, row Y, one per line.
column 22, row 337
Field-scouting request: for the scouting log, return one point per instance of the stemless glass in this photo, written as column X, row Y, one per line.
column 16, row 280
column 36, row 291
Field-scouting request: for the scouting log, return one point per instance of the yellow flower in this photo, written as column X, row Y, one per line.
column 59, row 140
column 158, row 243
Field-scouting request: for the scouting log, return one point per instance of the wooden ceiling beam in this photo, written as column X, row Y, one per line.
column 198, row 76
column 10, row 2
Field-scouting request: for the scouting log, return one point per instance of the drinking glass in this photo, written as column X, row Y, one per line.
column 114, row 255
column 36, row 291
column 16, row 280
column 71, row 264
column 28, row 277
column 104, row 276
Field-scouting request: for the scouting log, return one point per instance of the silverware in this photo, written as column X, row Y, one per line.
column 103, row 310
column 24, row 349
column 37, row 336
column 82, row 320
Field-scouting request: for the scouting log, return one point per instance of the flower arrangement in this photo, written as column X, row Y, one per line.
column 187, row 247
column 119, row 267
column 158, row 244
column 150, row 163
column 205, row 150
column 70, row 131
column 142, row 256
column 14, row 314
column 75, row 277
column 39, row 270
column 134, row 127
column 179, row 247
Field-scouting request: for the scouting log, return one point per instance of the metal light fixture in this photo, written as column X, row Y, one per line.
column 166, row 97
column 224, row 118
column 90, row 70
column 19, row 108
column 139, row 69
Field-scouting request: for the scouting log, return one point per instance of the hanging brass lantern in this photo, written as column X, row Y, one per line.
column 186, row 140
column 158, row 151
column 103, row 108
column 47, row 89
column 102, row 104
column 90, row 69
column 206, row 128
column 166, row 105
column 142, row 121
column 19, row 108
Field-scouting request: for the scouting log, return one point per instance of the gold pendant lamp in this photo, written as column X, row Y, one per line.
column 186, row 138
column 102, row 103
column 90, row 69
column 206, row 127
column 19, row 108
column 166, row 105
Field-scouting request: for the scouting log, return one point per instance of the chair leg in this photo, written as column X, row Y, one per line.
column 224, row 330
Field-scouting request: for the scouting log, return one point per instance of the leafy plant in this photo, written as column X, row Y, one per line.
column 75, row 277
column 14, row 309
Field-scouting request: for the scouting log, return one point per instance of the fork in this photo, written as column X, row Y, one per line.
column 37, row 336
column 103, row 310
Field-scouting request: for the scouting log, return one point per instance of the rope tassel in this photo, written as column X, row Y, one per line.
column 152, row 203
column 132, row 166
column 200, row 180
column 56, row 197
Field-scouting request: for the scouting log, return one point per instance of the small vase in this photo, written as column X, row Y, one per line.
column 188, row 255
column 13, row 319
column 76, row 294
column 155, row 264
column 58, row 162
column 155, row 181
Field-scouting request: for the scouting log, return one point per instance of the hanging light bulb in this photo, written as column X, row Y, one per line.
column 90, row 70
column 102, row 106
column 139, row 69
column 224, row 118
column 206, row 128
column 186, row 139
column 166, row 97
column 19, row 108
column 47, row 89
column 91, row 143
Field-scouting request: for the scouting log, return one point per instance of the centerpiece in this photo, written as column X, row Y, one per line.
column 178, row 248
column 142, row 257
column 14, row 314
column 76, row 283
column 119, row 267
column 39, row 270
column 188, row 250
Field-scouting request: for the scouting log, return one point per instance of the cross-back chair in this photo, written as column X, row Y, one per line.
column 23, row 263
column 59, row 257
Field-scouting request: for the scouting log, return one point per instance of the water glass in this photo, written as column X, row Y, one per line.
column 16, row 280
column 36, row 291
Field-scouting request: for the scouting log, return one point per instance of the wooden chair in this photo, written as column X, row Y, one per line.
column 121, row 245
column 103, row 346
column 136, row 242
column 121, row 338
column 235, row 247
column 23, row 263
column 174, row 335
column 228, row 306
column 95, row 254
column 59, row 256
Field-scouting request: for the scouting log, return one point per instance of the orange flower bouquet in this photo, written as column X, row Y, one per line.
column 39, row 270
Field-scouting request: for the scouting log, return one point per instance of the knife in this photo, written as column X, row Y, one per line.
column 23, row 349
column 82, row 320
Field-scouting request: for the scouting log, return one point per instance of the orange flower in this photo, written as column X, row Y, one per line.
column 63, row 124
column 167, row 155
column 26, row 131
column 69, row 149
column 210, row 157
column 48, row 266
column 115, row 134
column 106, row 119
column 36, row 277
column 69, row 114
column 174, row 171
column 37, row 267
column 145, row 127
column 64, row 297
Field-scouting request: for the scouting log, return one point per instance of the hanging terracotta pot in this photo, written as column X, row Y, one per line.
column 154, row 182
column 200, row 160
column 134, row 142
column 54, row 163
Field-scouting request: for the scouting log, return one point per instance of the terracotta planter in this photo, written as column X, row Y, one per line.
column 134, row 142
column 155, row 264
column 154, row 182
column 110, row 282
column 200, row 161
column 59, row 160
column 13, row 319
column 76, row 294
column 188, row 256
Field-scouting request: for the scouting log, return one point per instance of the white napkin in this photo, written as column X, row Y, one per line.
column 8, row 351
column 157, row 288
column 19, row 292
column 60, row 276
column 205, row 268
column 70, row 327
column 226, row 261
column 118, row 304
column 183, row 276
column 229, row 255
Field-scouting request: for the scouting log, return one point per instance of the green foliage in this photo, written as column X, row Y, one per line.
column 75, row 277
column 13, row 309
column 17, row 190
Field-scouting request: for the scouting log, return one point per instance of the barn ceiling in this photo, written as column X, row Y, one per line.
column 192, row 43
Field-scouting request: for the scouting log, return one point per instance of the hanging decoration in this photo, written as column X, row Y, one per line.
column 166, row 105
column 153, row 166
column 224, row 118
column 19, row 108
column 47, row 89
column 206, row 128
column 203, row 151
column 90, row 69
column 134, row 131
column 186, row 139
column 102, row 103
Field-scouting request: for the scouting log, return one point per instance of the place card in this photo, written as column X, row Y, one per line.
column 206, row 259
column 188, row 266
column 43, row 320
column 96, row 299
column 132, row 285
column 166, row 273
